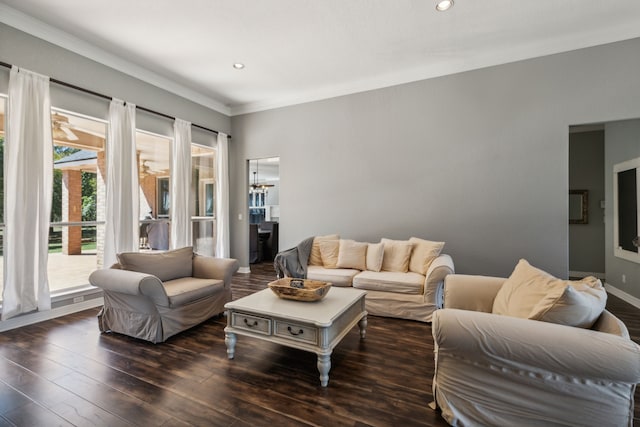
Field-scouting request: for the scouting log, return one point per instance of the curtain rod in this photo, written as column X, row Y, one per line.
column 109, row 98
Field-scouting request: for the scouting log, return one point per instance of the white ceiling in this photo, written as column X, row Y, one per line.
column 302, row 50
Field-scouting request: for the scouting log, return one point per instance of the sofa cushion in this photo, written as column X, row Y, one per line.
column 390, row 281
column 396, row 255
column 315, row 258
column 329, row 250
column 531, row 293
column 423, row 254
column 188, row 289
column 352, row 254
column 164, row 265
column 375, row 254
column 337, row 276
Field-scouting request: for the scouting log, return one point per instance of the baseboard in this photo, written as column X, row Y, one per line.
column 600, row 276
column 634, row 301
column 244, row 270
column 40, row 316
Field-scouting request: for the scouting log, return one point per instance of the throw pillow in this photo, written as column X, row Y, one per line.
column 423, row 254
column 396, row 255
column 329, row 250
column 375, row 254
column 531, row 293
column 580, row 304
column 352, row 254
column 315, row 258
column 165, row 266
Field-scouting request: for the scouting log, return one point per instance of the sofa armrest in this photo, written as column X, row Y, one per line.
column 522, row 345
column 130, row 283
column 205, row 267
column 438, row 270
column 475, row 293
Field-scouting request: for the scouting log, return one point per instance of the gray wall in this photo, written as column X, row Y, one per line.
column 477, row 159
column 622, row 142
column 586, row 172
column 24, row 50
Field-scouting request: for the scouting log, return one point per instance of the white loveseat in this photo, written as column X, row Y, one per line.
column 495, row 369
column 403, row 279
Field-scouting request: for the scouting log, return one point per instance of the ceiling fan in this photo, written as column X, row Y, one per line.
column 61, row 127
column 146, row 170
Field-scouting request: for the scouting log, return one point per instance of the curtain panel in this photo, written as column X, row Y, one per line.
column 181, row 234
column 222, row 193
column 28, row 166
column 122, row 201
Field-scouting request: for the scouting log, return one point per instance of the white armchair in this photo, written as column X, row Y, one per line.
column 500, row 370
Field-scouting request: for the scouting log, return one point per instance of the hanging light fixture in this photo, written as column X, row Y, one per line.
column 257, row 187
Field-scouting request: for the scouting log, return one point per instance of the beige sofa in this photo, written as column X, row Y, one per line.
column 153, row 296
column 497, row 370
column 401, row 280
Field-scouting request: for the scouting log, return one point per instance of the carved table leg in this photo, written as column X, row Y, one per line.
column 324, row 365
column 230, row 340
column 363, row 327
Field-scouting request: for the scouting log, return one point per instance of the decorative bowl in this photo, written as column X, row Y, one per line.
column 300, row 289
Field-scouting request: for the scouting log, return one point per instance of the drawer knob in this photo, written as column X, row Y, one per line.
column 251, row 325
column 300, row 331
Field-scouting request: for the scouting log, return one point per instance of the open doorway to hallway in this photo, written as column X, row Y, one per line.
column 587, row 201
column 264, row 208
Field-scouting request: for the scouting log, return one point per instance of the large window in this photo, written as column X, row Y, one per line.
column 154, row 176
column 203, row 195
column 77, row 209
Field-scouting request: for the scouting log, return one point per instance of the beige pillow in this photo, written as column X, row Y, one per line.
column 375, row 253
column 396, row 255
column 329, row 250
column 315, row 258
column 352, row 254
column 165, row 266
column 423, row 254
column 531, row 293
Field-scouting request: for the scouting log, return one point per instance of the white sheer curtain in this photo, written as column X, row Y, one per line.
column 122, row 204
column 28, row 162
column 181, row 185
column 222, row 194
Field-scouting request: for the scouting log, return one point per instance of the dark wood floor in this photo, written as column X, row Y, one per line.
column 64, row 372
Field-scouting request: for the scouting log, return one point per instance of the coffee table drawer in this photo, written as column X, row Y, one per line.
column 251, row 323
column 296, row 332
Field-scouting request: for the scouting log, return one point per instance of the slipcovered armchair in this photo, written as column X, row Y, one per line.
column 493, row 369
column 153, row 296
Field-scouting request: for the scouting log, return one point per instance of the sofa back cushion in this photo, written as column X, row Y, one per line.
column 315, row 257
column 375, row 254
column 329, row 250
column 397, row 254
column 352, row 254
column 531, row 293
column 165, row 266
column 423, row 254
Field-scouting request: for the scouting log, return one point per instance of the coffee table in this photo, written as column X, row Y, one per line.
column 316, row 327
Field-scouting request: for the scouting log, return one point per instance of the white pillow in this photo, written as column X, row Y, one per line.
column 329, row 252
column 315, row 258
column 396, row 255
column 352, row 254
column 423, row 254
column 375, row 253
column 531, row 293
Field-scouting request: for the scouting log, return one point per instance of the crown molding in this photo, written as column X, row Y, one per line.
column 37, row 28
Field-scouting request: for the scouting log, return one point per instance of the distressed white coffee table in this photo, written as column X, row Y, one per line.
column 316, row 327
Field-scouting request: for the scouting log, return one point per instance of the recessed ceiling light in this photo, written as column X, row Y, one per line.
column 444, row 5
column 238, row 66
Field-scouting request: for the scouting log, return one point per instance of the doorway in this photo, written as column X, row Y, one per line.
column 587, row 201
column 264, row 208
